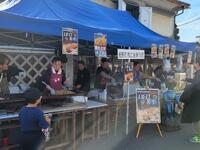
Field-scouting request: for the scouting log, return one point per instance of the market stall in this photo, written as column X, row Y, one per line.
column 93, row 27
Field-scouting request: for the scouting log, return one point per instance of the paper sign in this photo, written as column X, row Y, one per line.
column 148, row 106
column 173, row 51
column 189, row 58
column 69, row 41
column 100, row 43
column 160, row 51
column 128, row 72
column 166, row 50
column 130, row 54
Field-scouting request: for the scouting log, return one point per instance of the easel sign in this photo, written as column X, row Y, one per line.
column 148, row 108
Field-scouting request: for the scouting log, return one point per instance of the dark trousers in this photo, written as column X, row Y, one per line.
column 32, row 140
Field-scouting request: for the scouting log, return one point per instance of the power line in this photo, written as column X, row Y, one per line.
column 188, row 22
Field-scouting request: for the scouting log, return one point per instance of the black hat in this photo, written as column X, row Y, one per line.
column 56, row 58
column 81, row 62
column 32, row 94
column 104, row 60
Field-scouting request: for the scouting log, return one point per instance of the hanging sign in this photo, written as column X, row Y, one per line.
column 166, row 50
column 154, row 51
column 160, row 51
column 100, row 43
column 130, row 54
column 148, row 106
column 69, row 41
column 128, row 72
column 173, row 51
column 189, row 58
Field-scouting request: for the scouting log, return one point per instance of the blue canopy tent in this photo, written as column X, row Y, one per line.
column 48, row 17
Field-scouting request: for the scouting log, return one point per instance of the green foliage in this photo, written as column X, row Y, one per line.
column 176, row 32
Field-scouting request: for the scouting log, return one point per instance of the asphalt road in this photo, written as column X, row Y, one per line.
column 148, row 140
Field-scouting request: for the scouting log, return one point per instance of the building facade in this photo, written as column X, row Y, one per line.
column 158, row 15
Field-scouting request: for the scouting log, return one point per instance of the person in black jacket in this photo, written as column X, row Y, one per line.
column 83, row 78
column 102, row 75
column 4, row 61
column 191, row 109
column 54, row 76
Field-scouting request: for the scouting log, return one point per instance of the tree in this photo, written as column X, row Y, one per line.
column 176, row 32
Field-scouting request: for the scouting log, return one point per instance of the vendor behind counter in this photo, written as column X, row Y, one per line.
column 83, row 78
column 54, row 76
column 6, row 72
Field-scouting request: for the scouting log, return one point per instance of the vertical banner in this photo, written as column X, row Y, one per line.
column 145, row 16
column 173, row 51
column 154, row 51
column 100, row 43
column 189, row 58
column 69, row 41
column 121, row 5
column 148, row 106
column 160, row 51
column 166, row 50
column 128, row 72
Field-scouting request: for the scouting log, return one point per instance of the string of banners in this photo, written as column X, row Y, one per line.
column 163, row 51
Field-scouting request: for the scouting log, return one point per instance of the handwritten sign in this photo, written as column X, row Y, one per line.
column 148, row 106
column 128, row 72
column 160, row 51
column 173, row 51
column 154, row 51
column 130, row 54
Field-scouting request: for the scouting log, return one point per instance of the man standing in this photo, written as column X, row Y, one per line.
column 191, row 111
column 83, row 78
column 102, row 77
column 102, row 74
column 4, row 61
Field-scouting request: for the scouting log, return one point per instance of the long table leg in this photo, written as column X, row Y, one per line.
column 73, row 130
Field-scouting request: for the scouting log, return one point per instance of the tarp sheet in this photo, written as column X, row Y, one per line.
column 48, row 17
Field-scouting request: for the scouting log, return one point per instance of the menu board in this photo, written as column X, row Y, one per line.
column 189, row 58
column 100, row 43
column 148, row 106
column 128, row 72
column 160, row 51
column 166, row 50
column 173, row 51
column 154, row 51
column 69, row 41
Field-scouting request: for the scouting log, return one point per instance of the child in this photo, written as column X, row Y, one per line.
column 32, row 122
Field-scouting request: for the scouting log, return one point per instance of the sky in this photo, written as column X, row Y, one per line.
column 188, row 32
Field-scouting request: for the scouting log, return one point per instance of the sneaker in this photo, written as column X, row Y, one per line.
column 195, row 139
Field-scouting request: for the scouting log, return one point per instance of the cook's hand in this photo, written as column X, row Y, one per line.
column 78, row 86
column 66, row 82
column 48, row 119
column 52, row 91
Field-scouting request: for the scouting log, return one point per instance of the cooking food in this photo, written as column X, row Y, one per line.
column 64, row 92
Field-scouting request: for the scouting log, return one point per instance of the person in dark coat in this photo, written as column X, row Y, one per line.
column 102, row 75
column 4, row 61
column 83, row 78
column 191, row 110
